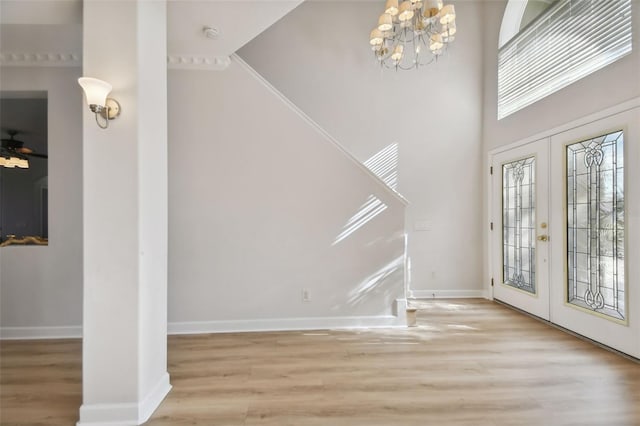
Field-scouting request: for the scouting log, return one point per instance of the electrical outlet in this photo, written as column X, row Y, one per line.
column 306, row 297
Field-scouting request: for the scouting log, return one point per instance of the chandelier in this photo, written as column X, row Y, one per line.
column 413, row 33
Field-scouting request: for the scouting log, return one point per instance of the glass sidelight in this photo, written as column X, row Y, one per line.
column 595, row 224
column 518, row 224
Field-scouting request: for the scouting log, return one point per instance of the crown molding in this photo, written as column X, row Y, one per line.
column 198, row 62
column 50, row 59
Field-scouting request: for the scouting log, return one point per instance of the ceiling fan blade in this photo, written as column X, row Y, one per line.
column 33, row 154
column 24, row 150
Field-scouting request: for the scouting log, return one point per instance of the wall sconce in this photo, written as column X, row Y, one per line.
column 96, row 92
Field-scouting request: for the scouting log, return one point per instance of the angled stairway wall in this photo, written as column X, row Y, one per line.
column 264, row 207
column 431, row 117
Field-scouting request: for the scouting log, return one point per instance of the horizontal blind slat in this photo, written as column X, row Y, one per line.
column 569, row 41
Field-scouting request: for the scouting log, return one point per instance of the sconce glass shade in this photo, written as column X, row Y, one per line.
column 95, row 90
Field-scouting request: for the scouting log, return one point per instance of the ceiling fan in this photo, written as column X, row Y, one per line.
column 13, row 153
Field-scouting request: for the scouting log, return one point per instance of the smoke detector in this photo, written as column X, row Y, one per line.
column 211, row 32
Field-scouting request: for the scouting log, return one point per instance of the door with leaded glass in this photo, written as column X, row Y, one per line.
column 520, row 227
column 595, row 199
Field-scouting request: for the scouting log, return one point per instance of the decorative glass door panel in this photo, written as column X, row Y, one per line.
column 519, row 240
column 595, row 229
column 595, row 225
column 518, row 224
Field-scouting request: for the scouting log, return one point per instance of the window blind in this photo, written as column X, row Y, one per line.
column 567, row 42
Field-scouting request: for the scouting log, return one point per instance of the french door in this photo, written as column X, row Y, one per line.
column 566, row 234
column 520, row 251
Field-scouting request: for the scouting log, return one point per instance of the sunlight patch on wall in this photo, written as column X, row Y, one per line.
column 376, row 280
column 370, row 209
column 384, row 164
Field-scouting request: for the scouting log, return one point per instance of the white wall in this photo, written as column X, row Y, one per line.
column 257, row 199
column 42, row 286
column 319, row 57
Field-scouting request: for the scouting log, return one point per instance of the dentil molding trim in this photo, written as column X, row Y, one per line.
column 58, row 59
column 198, row 62
column 41, row 59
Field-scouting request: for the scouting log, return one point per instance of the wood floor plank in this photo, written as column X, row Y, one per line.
column 468, row 362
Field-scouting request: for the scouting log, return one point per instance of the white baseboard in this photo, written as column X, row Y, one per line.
column 449, row 294
column 154, row 398
column 125, row 414
column 30, row 333
column 286, row 324
column 397, row 319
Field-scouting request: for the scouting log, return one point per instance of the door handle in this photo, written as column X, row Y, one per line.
column 543, row 238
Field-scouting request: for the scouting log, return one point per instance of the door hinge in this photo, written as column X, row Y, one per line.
column 491, row 282
column 491, row 226
column 491, row 170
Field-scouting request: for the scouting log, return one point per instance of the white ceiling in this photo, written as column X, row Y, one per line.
column 46, row 26
column 238, row 22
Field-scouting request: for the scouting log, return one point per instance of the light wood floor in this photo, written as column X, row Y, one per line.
column 469, row 362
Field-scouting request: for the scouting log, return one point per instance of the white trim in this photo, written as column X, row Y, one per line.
column 397, row 319
column 511, row 20
column 449, row 294
column 596, row 116
column 400, row 308
column 125, row 414
column 198, row 62
column 154, row 398
column 237, row 59
column 285, row 324
column 49, row 59
column 22, row 333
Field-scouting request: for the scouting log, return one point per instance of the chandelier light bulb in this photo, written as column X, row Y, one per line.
column 385, row 23
column 448, row 32
column 447, row 14
column 406, row 12
column 391, row 7
column 432, row 8
column 436, row 43
column 452, row 28
column 376, row 38
column 397, row 53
